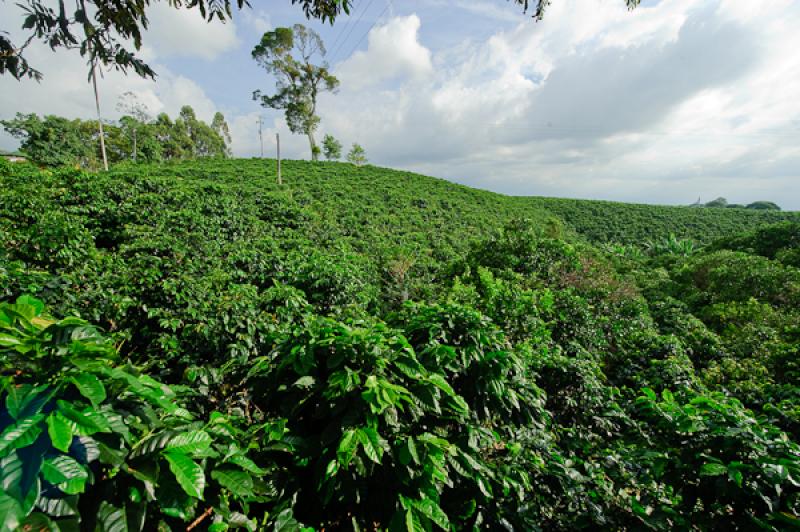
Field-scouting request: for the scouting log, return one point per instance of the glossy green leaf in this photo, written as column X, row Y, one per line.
column 187, row 472
column 111, row 519
column 236, row 481
column 35, row 304
column 21, row 434
column 60, row 431
column 370, row 442
column 347, row 447
column 413, row 522
column 25, row 400
column 87, row 421
column 246, row 464
column 11, row 513
column 90, row 387
column 66, row 473
column 713, row 469
column 191, row 442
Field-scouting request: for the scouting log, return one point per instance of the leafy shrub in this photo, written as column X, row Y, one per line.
column 88, row 441
column 369, row 348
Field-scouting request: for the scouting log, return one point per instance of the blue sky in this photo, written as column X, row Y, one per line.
column 673, row 101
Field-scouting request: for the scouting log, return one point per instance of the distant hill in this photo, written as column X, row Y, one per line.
column 370, row 200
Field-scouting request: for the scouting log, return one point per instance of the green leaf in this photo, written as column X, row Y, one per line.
column 38, row 521
column 191, row 442
column 305, row 382
column 21, row 434
column 431, row 510
column 187, row 472
column 411, row 447
column 413, row 522
column 66, row 473
column 237, row 482
column 285, row 522
column 88, row 421
column 246, row 464
column 370, row 442
column 66, row 507
column 649, row 393
column 90, row 387
column 347, row 447
column 713, row 469
column 6, row 340
column 441, row 383
column 667, row 396
column 20, row 399
column 36, row 305
column 330, row 471
column 111, row 519
column 11, row 514
column 736, row 476
column 60, row 432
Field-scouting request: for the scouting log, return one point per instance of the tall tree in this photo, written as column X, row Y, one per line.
column 220, row 127
column 93, row 75
column 200, row 138
column 136, row 115
column 331, row 147
column 287, row 53
column 52, row 140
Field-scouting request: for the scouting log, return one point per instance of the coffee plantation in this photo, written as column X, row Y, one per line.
column 190, row 346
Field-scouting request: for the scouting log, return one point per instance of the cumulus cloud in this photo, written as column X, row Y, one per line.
column 184, row 32
column 393, row 52
column 74, row 97
column 258, row 21
column 662, row 104
column 669, row 102
column 66, row 91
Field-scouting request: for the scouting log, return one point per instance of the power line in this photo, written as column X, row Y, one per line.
column 369, row 30
column 333, row 53
column 341, row 32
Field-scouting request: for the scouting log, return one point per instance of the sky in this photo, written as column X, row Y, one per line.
column 673, row 101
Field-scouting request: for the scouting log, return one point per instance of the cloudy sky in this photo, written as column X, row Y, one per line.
column 676, row 100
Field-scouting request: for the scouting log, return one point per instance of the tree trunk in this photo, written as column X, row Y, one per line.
column 99, row 119
column 313, row 144
column 278, row 141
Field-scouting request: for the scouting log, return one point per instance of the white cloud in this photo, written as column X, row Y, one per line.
column 662, row 104
column 74, row 98
column 671, row 101
column 184, row 32
column 393, row 52
column 246, row 142
column 259, row 21
column 66, row 91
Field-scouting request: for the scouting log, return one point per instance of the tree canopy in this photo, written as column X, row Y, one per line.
column 287, row 53
column 110, row 33
column 57, row 141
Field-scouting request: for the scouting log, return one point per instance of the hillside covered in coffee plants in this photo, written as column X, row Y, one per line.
column 191, row 346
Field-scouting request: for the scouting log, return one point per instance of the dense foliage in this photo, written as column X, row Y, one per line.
column 627, row 223
column 191, row 345
column 56, row 141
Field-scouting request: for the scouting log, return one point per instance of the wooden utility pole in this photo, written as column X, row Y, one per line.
column 278, row 140
column 99, row 119
column 260, row 136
